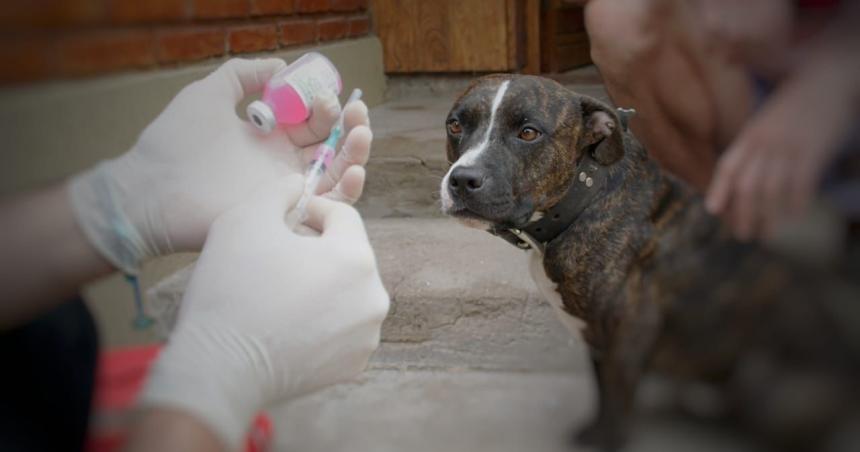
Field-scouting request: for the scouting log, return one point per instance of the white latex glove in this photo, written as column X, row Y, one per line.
column 198, row 158
column 270, row 314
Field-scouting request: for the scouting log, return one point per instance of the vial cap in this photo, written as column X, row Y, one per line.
column 261, row 115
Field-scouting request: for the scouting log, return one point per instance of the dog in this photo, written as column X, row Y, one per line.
column 629, row 258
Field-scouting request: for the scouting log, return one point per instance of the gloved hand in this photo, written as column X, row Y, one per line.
column 198, row 158
column 270, row 314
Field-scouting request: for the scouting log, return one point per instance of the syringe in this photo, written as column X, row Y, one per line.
column 322, row 159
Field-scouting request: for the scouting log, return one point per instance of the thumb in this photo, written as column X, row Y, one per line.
column 248, row 76
column 334, row 218
column 324, row 112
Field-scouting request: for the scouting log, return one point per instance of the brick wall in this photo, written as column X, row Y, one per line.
column 48, row 39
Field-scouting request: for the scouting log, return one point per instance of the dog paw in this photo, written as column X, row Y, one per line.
column 589, row 434
column 595, row 434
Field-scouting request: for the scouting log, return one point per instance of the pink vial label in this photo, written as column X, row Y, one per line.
column 291, row 92
column 288, row 106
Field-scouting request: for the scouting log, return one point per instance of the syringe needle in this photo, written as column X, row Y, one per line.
column 322, row 159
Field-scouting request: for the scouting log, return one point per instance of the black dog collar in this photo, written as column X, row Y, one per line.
column 589, row 180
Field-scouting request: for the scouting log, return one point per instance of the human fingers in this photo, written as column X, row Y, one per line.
column 349, row 187
column 355, row 151
column 247, row 76
column 335, row 219
column 775, row 193
column 747, row 198
column 723, row 182
column 324, row 112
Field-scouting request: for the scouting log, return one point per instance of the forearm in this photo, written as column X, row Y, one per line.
column 823, row 80
column 825, row 85
column 165, row 430
column 826, row 54
column 835, row 51
column 46, row 257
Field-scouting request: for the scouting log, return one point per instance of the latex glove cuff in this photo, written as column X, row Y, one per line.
column 207, row 374
column 101, row 210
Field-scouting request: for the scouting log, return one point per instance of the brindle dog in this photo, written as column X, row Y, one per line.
column 658, row 282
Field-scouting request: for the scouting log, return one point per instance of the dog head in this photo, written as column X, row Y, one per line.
column 514, row 143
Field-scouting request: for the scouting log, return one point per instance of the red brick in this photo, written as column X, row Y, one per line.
column 312, row 6
column 253, row 38
column 295, row 32
column 24, row 59
column 271, row 7
column 97, row 52
column 220, row 9
column 189, row 44
column 346, row 5
column 334, row 28
column 24, row 14
column 137, row 11
column 359, row 26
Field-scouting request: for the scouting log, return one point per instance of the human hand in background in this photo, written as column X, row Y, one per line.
column 198, row 159
column 753, row 34
column 270, row 314
column 772, row 170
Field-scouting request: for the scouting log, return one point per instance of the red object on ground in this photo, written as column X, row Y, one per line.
column 119, row 379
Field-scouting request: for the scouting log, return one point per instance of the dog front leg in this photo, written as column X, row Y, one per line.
column 591, row 433
column 609, row 429
column 617, row 373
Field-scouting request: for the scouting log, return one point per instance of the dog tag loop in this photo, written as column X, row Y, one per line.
column 526, row 241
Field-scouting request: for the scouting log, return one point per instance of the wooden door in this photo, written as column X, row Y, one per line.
column 451, row 35
column 564, row 41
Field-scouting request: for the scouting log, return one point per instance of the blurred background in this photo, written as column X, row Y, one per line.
column 471, row 359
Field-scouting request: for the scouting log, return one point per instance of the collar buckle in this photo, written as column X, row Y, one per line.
column 526, row 241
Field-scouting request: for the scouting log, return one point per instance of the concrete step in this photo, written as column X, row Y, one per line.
column 472, row 411
column 408, row 160
column 460, row 298
column 463, row 298
column 404, row 184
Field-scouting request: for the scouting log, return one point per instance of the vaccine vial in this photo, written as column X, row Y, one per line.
column 288, row 96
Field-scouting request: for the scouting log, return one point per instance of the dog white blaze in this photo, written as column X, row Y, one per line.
column 470, row 157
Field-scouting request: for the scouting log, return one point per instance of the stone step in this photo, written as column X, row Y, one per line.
column 408, row 160
column 472, row 411
column 463, row 298
column 404, row 184
column 460, row 298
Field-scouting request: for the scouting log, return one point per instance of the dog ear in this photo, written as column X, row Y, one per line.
column 602, row 127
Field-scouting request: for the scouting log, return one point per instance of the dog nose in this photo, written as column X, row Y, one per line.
column 466, row 180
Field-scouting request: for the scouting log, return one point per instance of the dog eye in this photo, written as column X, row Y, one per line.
column 454, row 127
column 529, row 134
